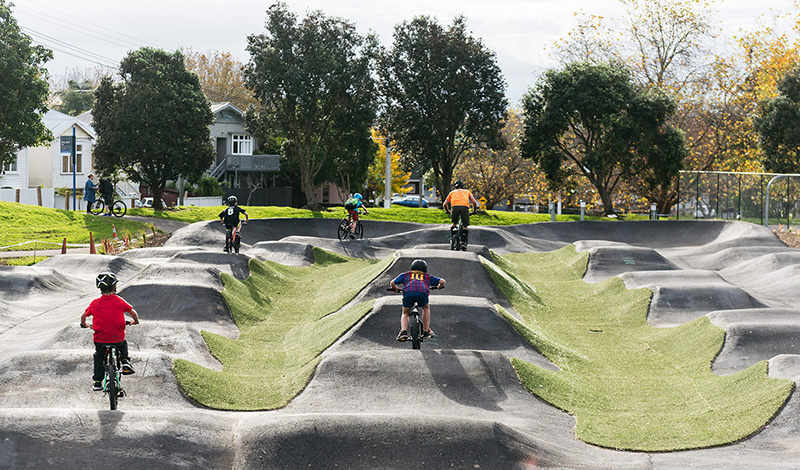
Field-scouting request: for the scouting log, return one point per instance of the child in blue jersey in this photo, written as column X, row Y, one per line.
column 416, row 288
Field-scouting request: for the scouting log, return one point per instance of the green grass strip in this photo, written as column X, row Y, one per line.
column 629, row 385
column 22, row 222
column 287, row 317
column 396, row 213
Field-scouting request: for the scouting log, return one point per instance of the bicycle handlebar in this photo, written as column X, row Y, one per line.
column 398, row 290
column 90, row 325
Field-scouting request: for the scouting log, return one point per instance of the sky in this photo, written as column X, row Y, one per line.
column 85, row 34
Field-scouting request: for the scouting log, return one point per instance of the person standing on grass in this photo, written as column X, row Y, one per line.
column 107, row 191
column 89, row 191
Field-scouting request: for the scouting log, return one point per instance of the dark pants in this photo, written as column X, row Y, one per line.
column 460, row 212
column 99, row 355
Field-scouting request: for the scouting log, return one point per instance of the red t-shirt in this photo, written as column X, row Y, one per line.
column 109, row 318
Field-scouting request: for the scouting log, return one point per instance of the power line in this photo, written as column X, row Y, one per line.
column 70, row 49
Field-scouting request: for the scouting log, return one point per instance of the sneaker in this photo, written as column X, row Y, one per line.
column 127, row 369
column 98, row 386
column 463, row 247
column 428, row 334
column 352, row 235
column 403, row 336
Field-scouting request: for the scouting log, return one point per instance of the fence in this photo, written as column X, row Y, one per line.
column 738, row 196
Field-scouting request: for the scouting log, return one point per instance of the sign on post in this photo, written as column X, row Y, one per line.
column 66, row 145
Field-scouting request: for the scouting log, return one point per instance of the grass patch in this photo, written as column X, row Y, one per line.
column 22, row 260
column 630, row 386
column 22, row 222
column 287, row 317
column 397, row 213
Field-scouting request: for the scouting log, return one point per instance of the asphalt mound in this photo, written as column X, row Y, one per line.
column 753, row 335
column 373, row 401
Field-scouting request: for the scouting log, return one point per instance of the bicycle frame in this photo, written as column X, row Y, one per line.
column 112, row 385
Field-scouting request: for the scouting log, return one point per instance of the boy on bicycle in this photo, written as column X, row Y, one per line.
column 416, row 289
column 457, row 204
column 352, row 205
column 108, row 324
column 230, row 218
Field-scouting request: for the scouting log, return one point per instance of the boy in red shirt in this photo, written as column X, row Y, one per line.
column 108, row 324
column 416, row 288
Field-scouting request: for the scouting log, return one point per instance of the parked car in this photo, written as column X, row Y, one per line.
column 409, row 201
column 148, row 202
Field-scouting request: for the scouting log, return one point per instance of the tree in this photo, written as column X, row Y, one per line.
column 590, row 119
column 153, row 125
column 443, row 95
column 376, row 178
column 314, row 81
column 23, row 89
column 499, row 175
column 221, row 77
column 778, row 126
column 77, row 98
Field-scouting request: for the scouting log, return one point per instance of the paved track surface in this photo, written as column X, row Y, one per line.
column 373, row 402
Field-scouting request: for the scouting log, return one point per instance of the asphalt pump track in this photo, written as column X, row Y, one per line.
column 374, row 402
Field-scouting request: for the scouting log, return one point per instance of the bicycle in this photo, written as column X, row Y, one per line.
column 415, row 326
column 112, row 380
column 344, row 231
column 118, row 207
column 458, row 235
column 233, row 238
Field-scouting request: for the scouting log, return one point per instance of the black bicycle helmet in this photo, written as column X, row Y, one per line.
column 105, row 281
column 419, row 265
column 232, row 200
column 458, row 184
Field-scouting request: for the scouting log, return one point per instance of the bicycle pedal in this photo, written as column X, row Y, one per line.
column 121, row 393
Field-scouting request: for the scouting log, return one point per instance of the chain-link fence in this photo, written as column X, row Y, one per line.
column 738, row 196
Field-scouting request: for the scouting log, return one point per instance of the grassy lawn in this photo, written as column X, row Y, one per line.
column 22, row 222
column 287, row 317
column 397, row 213
column 629, row 385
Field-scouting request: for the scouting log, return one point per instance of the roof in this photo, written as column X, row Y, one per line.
column 217, row 107
column 59, row 123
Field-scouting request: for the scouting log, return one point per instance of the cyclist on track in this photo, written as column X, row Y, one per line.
column 230, row 218
column 458, row 205
column 108, row 324
column 352, row 205
column 416, row 288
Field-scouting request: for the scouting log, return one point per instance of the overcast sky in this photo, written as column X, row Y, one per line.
column 85, row 33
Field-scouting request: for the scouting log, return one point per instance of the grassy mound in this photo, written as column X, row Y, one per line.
column 629, row 385
column 287, row 317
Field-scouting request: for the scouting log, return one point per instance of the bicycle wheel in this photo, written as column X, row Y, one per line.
column 359, row 230
column 111, row 382
column 344, row 228
column 119, row 208
column 237, row 242
column 99, row 207
column 415, row 330
column 227, row 241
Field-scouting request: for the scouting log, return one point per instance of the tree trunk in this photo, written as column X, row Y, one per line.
column 605, row 196
column 158, row 192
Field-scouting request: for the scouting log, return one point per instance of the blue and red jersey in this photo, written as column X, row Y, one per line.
column 417, row 281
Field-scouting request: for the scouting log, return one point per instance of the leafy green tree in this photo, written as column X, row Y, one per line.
column 443, row 95
column 778, row 125
column 314, row 81
column 153, row 125
column 590, row 119
column 23, row 88
column 77, row 99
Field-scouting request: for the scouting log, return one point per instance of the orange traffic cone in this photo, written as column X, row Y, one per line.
column 64, row 247
column 91, row 245
column 114, row 231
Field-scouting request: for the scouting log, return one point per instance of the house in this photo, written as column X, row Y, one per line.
column 249, row 177
column 46, row 166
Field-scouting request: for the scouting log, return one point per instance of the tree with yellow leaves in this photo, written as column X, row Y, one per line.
column 221, row 77
column 376, row 179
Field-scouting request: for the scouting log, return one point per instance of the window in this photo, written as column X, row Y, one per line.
column 242, row 144
column 10, row 167
column 66, row 167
